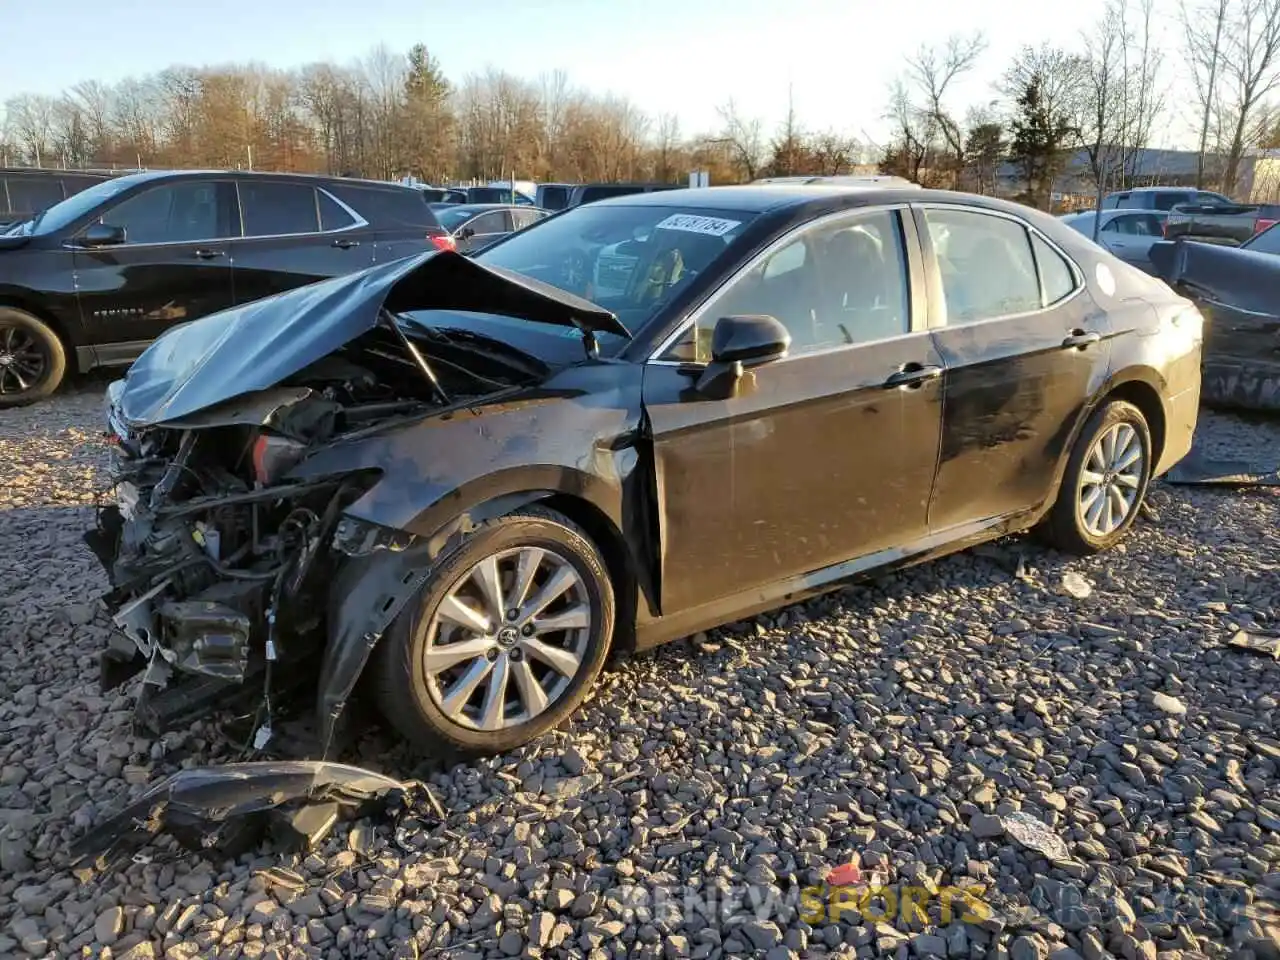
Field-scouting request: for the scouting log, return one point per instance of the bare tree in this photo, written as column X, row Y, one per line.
column 31, row 118
column 933, row 72
column 1251, row 71
column 744, row 139
column 1204, row 28
column 1099, row 115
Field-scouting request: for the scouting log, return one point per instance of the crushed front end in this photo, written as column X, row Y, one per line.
column 219, row 566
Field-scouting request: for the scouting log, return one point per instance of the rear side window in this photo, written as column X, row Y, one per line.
column 1055, row 273
column 1116, row 201
column 387, row 209
column 525, row 218
column 30, row 194
column 332, row 216
column 277, row 209
column 988, row 270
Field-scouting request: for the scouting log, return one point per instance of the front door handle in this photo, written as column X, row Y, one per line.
column 913, row 375
column 1081, row 339
column 346, row 244
column 210, row 254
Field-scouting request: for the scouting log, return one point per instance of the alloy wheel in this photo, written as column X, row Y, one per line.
column 1111, row 480
column 508, row 638
column 24, row 360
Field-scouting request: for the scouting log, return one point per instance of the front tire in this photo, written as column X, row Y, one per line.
column 33, row 361
column 503, row 642
column 1105, row 481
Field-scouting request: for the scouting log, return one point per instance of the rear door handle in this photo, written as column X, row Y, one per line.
column 1081, row 339
column 912, row 375
column 210, row 254
column 346, row 244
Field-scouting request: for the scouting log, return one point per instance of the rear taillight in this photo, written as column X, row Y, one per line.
column 273, row 456
column 1263, row 224
column 442, row 241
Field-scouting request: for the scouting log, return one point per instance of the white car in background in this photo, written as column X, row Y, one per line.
column 1128, row 234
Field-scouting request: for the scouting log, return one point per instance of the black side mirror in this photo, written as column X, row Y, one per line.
column 737, row 343
column 101, row 235
column 466, row 233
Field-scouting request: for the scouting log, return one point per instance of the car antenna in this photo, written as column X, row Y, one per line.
column 418, row 358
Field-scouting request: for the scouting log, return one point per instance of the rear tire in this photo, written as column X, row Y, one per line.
column 456, row 677
column 33, row 361
column 1105, row 481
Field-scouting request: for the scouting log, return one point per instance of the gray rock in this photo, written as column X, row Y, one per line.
column 109, row 925
column 763, row 934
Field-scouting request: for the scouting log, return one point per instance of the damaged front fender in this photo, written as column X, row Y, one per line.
column 373, row 589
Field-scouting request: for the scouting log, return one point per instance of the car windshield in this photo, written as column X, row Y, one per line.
column 70, row 209
column 631, row 260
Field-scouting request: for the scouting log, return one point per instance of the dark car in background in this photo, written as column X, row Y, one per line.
column 94, row 279
column 443, row 194
column 1238, row 290
column 591, row 192
column 473, row 226
column 498, row 195
column 1158, row 198
column 457, row 484
column 1229, row 223
column 553, row 196
column 24, row 192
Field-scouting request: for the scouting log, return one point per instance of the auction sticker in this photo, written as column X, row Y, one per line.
column 689, row 223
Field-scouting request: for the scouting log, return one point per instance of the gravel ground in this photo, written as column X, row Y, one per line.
column 895, row 726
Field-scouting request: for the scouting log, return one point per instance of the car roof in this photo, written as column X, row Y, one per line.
column 762, row 197
column 318, row 178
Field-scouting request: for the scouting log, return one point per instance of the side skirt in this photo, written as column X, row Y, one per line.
column 795, row 589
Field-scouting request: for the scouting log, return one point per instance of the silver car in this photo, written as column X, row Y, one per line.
column 1128, row 234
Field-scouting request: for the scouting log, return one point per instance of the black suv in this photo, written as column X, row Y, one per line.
column 94, row 279
column 24, row 192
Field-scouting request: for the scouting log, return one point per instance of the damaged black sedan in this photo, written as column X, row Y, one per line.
column 457, row 483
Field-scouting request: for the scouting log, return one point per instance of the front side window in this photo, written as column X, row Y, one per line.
column 182, row 212
column 988, row 270
column 837, row 283
column 278, row 209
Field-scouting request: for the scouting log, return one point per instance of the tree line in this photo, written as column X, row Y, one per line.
column 394, row 114
column 1101, row 99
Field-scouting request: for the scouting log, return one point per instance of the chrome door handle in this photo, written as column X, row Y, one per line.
column 913, row 375
column 1081, row 339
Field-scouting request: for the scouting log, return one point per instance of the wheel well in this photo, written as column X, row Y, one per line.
column 613, row 548
column 1144, row 397
column 20, row 303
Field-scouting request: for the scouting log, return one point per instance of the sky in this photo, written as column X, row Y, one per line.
column 685, row 57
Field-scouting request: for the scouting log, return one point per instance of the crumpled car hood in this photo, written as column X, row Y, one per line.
column 255, row 346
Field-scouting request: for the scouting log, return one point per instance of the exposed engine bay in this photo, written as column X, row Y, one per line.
column 221, row 565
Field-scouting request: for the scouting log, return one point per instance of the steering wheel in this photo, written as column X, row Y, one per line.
column 575, row 272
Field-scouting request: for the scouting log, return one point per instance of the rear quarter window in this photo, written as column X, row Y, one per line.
column 386, row 209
